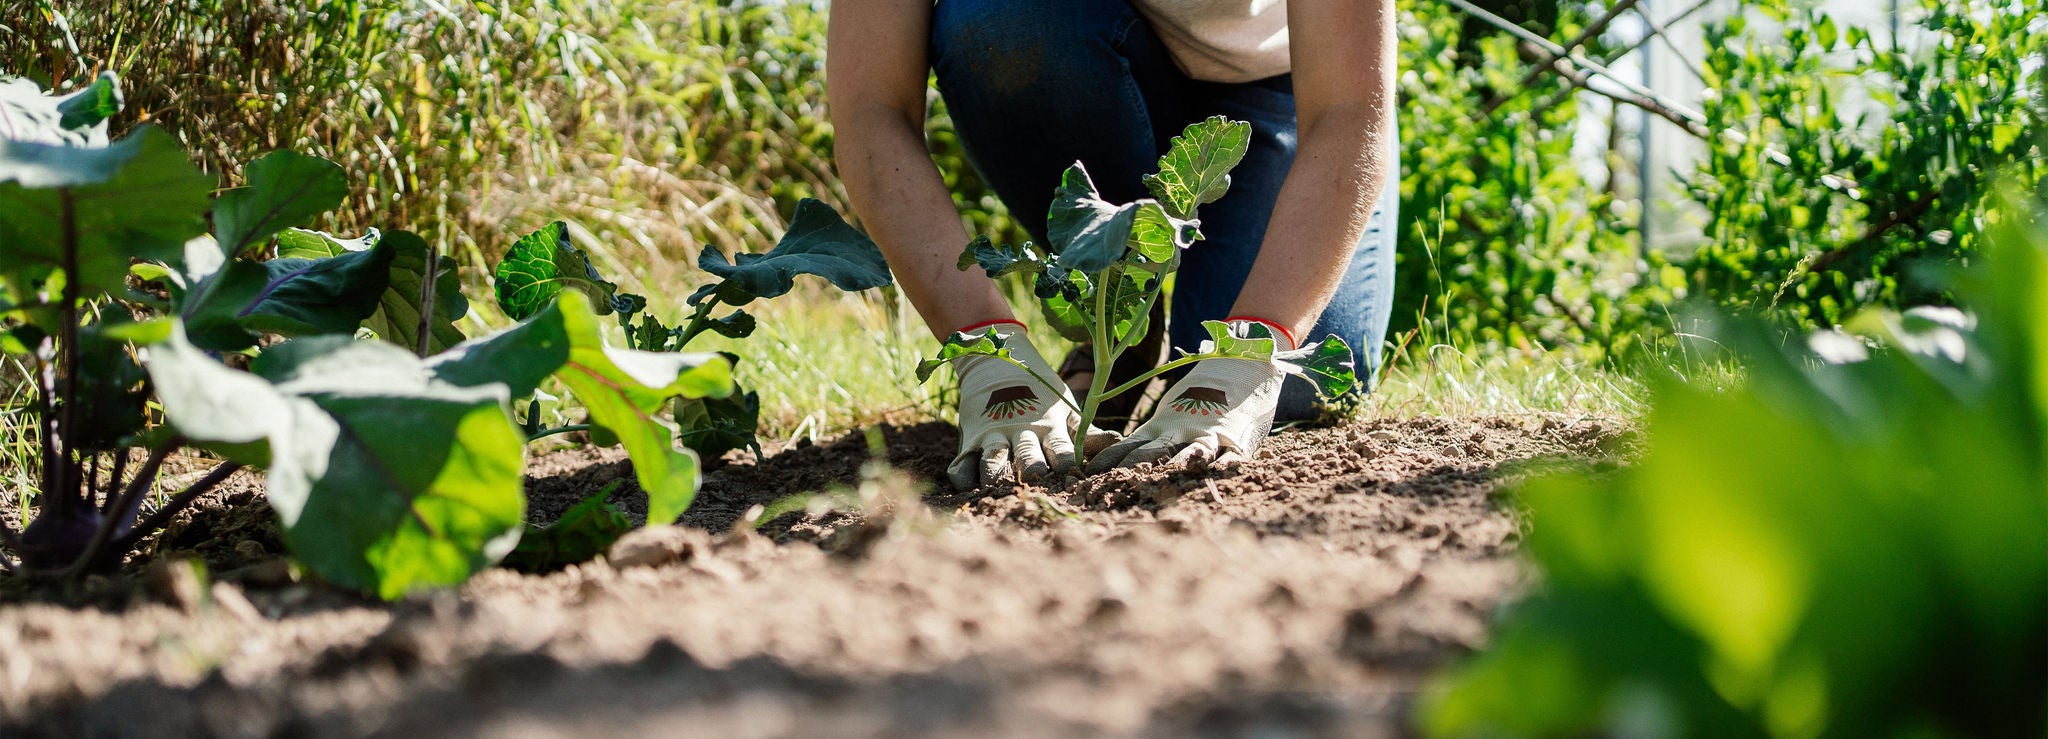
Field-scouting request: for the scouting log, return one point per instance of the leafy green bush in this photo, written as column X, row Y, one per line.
column 1503, row 240
column 1853, row 543
column 389, row 470
column 1814, row 213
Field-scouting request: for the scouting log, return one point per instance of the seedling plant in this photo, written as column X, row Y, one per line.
column 1106, row 266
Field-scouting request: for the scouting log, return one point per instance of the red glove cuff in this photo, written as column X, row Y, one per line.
column 1278, row 330
column 985, row 324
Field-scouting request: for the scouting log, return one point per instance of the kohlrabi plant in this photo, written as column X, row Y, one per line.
column 393, row 464
column 1107, row 264
column 545, row 264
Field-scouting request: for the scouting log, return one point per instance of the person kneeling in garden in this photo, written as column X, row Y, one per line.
column 1301, row 246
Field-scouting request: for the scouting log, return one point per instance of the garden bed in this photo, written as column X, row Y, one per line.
column 1311, row 590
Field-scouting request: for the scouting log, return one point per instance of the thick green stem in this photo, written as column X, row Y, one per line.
column 1157, row 371
column 1105, row 359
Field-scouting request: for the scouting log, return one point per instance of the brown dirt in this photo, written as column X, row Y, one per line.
column 1308, row 592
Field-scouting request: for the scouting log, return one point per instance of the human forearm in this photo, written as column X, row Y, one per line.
column 904, row 205
column 877, row 65
column 1342, row 164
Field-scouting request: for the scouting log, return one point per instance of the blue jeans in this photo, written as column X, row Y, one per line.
column 1034, row 85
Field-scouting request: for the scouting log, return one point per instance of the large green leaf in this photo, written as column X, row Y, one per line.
column 75, row 120
column 540, row 266
column 139, row 198
column 397, row 319
column 285, row 189
column 385, row 479
column 623, row 389
column 1329, row 364
column 1087, row 232
column 288, row 296
column 818, row 242
column 1196, row 170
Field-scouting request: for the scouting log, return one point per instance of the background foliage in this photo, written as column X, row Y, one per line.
column 666, row 128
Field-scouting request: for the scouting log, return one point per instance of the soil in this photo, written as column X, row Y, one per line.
column 1309, row 592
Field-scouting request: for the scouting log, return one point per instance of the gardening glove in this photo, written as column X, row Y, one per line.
column 1219, row 412
column 1010, row 420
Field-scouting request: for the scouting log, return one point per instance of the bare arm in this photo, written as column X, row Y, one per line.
column 1343, row 58
column 876, row 67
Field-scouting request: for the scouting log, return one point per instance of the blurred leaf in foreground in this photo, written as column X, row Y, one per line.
column 1855, row 546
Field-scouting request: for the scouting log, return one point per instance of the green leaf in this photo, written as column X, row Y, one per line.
column 1196, row 170
column 1060, row 301
column 75, row 120
column 1001, row 259
column 540, row 266
column 1088, row 233
column 92, row 106
column 1159, row 237
column 981, row 344
column 229, row 309
column 284, row 189
column 621, row 388
column 1328, row 364
column 586, row 530
column 300, row 243
column 397, row 319
column 818, row 242
column 420, row 483
column 1256, row 343
column 139, row 198
column 714, row 426
column 739, row 325
column 1826, row 33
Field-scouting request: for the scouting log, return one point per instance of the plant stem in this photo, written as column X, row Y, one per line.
column 63, row 491
column 1105, row 359
column 698, row 321
column 1157, row 371
column 162, row 516
column 119, row 511
column 544, row 433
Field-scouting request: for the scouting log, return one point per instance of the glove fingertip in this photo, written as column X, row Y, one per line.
column 964, row 470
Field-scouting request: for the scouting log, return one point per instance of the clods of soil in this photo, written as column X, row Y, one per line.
column 1308, row 592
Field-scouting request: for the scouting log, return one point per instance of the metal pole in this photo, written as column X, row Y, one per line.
column 1646, row 168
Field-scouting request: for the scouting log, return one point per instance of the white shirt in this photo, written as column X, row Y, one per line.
column 1222, row 40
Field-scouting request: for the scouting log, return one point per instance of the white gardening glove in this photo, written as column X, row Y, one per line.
column 1220, row 411
column 1010, row 420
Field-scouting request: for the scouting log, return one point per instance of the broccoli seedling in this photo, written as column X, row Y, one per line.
column 1106, row 265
